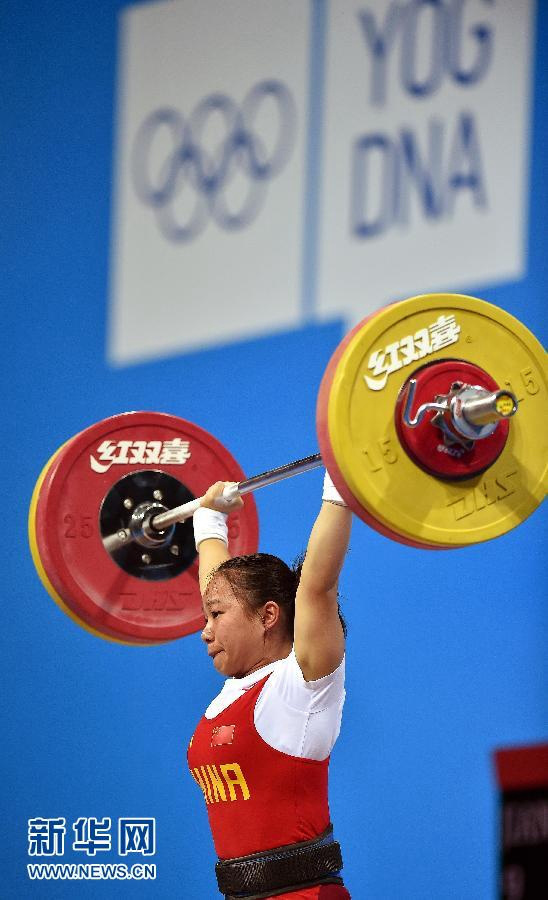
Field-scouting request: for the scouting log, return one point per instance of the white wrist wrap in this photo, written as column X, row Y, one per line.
column 330, row 492
column 208, row 523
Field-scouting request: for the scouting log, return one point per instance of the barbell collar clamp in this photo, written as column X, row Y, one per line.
column 141, row 525
column 474, row 412
column 413, row 421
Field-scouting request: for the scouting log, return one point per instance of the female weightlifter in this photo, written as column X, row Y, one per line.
column 260, row 754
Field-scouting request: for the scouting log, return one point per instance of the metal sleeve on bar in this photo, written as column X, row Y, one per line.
column 178, row 514
column 491, row 407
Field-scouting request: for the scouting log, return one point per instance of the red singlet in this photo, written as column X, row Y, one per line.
column 257, row 797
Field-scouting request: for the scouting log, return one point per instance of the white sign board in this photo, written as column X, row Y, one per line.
column 209, row 182
column 426, row 124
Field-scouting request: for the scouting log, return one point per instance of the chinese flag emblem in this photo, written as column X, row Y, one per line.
column 222, row 734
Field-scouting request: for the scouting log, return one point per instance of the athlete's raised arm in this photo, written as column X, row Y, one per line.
column 319, row 637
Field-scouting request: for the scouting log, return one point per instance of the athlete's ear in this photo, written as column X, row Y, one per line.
column 270, row 614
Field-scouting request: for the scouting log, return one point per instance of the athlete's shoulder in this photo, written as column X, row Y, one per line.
column 288, row 681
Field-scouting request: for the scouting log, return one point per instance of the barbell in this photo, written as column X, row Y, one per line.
column 413, row 422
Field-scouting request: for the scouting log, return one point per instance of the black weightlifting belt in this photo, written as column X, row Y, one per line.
column 281, row 869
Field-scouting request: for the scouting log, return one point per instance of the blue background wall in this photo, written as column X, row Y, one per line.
column 446, row 652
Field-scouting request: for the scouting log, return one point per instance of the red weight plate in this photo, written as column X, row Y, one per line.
column 82, row 481
column 329, row 457
column 424, row 443
column 35, row 552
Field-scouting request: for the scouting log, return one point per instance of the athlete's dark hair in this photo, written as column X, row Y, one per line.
column 259, row 577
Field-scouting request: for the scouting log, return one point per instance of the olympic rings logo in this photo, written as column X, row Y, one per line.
column 172, row 154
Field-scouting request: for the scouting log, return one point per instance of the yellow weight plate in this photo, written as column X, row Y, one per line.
column 359, row 441
column 37, row 560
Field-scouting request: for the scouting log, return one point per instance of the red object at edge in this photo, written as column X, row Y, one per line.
column 522, row 767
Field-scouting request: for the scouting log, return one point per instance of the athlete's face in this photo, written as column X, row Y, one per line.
column 234, row 637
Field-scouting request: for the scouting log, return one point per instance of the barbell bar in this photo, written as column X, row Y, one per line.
column 453, row 473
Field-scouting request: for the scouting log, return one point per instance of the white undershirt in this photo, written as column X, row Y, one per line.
column 298, row 717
